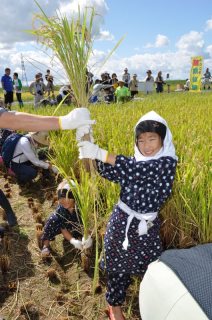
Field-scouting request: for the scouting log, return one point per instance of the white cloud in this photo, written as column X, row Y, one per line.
column 160, row 41
column 208, row 25
column 100, row 11
column 209, row 50
column 105, row 35
column 191, row 42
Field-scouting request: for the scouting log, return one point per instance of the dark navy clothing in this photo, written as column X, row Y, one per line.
column 7, row 83
column 145, row 185
column 62, row 219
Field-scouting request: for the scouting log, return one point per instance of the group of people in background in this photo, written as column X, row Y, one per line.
column 10, row 86
column 108, row 89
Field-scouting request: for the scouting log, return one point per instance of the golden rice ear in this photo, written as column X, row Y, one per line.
column 4, row 263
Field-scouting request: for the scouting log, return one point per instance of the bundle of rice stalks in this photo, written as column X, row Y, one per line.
column 6, row 243
column 39, row 234
column 38, row 218
column 39, row 227
column 54, row 200
column 34, row 209
column 6, row 185
column 30, row 202
column 52, row 275
column 61, row 299
column 8, row 195
column 30, row 310
column 3, row 214
column 4, row 263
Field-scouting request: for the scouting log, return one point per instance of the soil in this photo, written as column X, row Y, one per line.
column 46, row 289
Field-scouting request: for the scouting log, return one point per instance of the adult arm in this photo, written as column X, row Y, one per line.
column 23, row 121
column 28, row 122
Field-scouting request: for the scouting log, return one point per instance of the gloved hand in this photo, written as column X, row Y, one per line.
column 76, row 243
column 76, row 118
column 81, row 131
column 5, row 92
column 89, row 150
column 54, row 169
column 87, row 243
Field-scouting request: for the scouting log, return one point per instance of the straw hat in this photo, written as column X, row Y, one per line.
column 40, row 137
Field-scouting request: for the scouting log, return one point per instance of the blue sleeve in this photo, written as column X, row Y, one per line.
column 117, row 172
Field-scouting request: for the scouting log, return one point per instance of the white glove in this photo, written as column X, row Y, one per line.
column 76, row 118
column 5, row 92
column 87, row 243
column 54, row 169
column 76, row 243
column 89, row 150
column 80, row 132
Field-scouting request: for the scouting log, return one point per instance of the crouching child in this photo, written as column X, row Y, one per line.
column 65, row 220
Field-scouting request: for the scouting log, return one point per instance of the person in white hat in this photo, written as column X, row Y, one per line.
column 37, row 88
column 25, row 159
column 126, row 77
column 132, row 238
column 133, row 86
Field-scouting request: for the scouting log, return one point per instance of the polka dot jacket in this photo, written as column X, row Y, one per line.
column 145, row 186
column 62, row 219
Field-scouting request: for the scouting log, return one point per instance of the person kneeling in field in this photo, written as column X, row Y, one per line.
column 122, row 93
column 65, row 220
column 23, row 159
column 132, row 238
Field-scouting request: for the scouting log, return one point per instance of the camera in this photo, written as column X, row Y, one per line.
column 40, row 92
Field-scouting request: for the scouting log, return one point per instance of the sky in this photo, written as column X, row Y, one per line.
column 158, row 35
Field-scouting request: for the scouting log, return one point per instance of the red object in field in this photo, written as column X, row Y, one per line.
column 10, row 172
column 1, row 161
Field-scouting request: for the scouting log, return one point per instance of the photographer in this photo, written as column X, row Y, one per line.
column 133, row 86
column 37, row 88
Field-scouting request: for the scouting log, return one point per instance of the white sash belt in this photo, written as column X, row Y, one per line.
column 143, row 224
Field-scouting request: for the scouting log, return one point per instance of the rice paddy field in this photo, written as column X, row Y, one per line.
column 186, row 216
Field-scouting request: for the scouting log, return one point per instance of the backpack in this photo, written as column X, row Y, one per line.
column 4, row 133
column 8, row 148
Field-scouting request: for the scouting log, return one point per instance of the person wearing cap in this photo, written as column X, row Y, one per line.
column 65, row 220
column 37, row 88
column 132, row 238
column 126, row 77
column 149, row 82
column 133, row 86
column 159, row 82
column 25, row 159
column 7, row 86
column 50, row 85
column 122, row 93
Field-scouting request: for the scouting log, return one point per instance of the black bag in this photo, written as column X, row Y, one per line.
column 8, row 148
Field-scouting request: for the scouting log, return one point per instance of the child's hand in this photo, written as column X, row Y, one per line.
column 88, row 150
column 86, row 244
column 76, row 243
column 81, row 131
